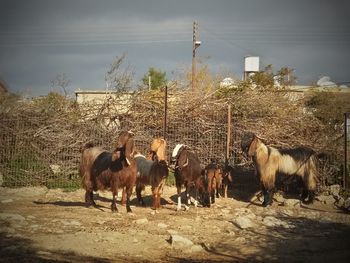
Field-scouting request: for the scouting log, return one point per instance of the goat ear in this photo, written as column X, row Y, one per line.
column 129, row 148
column 253, row 146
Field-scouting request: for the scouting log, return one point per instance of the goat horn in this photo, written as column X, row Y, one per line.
column 186, row 163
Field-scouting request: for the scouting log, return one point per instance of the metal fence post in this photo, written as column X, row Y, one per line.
column 346, row 130
column 228, row 134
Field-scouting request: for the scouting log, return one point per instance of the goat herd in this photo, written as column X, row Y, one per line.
column 125, row 168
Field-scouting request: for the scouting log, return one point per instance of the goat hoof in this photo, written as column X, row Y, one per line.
column 266, row 204
column 90, row 204
column 114, row 208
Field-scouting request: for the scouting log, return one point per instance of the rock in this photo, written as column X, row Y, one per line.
column 7, row 201
column 141, row 221
column 178, row 241
column 279, row 198
column 326, row 199
column 347, row 204
column 244, row 217
column 225, row 211
column 271, row 221
column 162, row 225
column 12, row 217
column 334, row 189
column 291, row 202
column 240, row 240
column 196, row 248
column 230, row 232
column 243, row 222
column 287, row 212
column 172, row 232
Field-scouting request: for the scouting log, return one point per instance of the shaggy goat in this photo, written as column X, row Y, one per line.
column 102, row 170
column 269, row 161
column 151, row 172
column 187, row 172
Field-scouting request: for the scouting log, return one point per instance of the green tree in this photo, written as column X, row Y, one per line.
column 155, row 78
column 266, row 79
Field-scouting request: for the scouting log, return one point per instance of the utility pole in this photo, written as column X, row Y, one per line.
column 195, row 43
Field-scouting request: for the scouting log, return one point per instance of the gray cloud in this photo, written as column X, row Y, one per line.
column 40, row 39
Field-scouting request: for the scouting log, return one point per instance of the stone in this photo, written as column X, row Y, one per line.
column 196, row 248
column 347, row 203
column 178, row 241
column 162, row 225
column 334, row 189
column 240, row 240
column 291, row 202
column 141, row 221
column 326, row 199
column 243, row 222
column 7, row 201
column 271, row 221
column 11, row 217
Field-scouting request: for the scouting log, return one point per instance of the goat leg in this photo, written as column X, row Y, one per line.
column 114, row 203
column 268, row 193
column 225, row 190
column 178, row 198
column 139, row 196
column 89, row 198
column 128, row 193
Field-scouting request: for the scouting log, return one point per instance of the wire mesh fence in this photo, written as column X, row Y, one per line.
column 39, row 148
column 346, row 172
column 41, row 151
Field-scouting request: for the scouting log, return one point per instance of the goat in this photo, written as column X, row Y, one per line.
column 187, row 172
column 101, row 170
column 212, row 182
column 152, row 172
column 227, row 178
column 268, row 161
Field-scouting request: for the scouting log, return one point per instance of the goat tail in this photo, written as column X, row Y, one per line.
column 311, row 177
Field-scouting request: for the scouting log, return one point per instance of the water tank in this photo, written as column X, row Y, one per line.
column 251, row 64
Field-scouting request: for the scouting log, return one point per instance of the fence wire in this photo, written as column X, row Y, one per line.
column 45, row 149
column 41, row 151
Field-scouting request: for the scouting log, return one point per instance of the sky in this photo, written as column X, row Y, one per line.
column 41, row 39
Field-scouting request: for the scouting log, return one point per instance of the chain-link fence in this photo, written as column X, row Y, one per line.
column 42, row 151
column 43, row 147
column 346, row 172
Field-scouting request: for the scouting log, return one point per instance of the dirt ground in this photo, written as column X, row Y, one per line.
column 50, row 225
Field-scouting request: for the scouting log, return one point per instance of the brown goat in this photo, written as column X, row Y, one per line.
column 153, row 171
column 101, row 170
column 227, row 178
column 212, row 182
column 187, row 172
